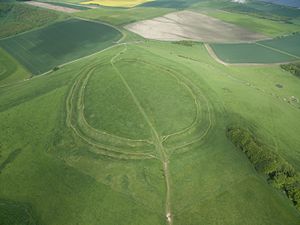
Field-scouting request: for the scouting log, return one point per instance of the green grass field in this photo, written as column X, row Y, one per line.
column 289, row 44
column 42, row 50
column 17, row 18
column 271, row 28
column 72, row 6
column 145, row 132
column 278, row 50
column 120, row 17
column 249, row 53
column 10, row 70
column 264, row 10
column 79, row 162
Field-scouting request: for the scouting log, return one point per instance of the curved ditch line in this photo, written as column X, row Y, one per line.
column 209, row 119
column 80, row 107
column 104, row 150
column 80, row 103
column 207, row 106
column 87, row 125
column 156, row 138
column 172, row 73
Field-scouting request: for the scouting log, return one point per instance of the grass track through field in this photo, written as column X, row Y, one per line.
column 277, row 50
column 156, row 138
column 120, row 148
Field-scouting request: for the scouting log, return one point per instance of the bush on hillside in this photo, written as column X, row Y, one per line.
column 278, row 171
column 293, row 68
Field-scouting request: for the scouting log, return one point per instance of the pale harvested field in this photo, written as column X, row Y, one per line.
column 187, row 25
column 53, row 7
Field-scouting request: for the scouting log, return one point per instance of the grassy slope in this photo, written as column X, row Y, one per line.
column 17, row 17
column 211, row 181
column 62, row 198
column 10, row 70
column 229, row 86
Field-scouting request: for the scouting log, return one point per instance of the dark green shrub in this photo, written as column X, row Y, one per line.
column 279, row 172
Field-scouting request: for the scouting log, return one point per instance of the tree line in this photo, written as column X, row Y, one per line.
column 277, row 170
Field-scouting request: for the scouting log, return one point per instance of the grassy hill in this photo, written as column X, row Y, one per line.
column 113, row 171
column 146, row 132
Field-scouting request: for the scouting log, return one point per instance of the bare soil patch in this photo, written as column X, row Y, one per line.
column 188, row 25
column 53, row 7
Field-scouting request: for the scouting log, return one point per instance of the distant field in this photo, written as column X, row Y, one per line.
column 116, row 3
column 270, row 51
column 264, row 26
column 17, row 17
column 189, row 25
column 117, row 16
column 58, row 8
column 175, row 4
column 292, row 3
column 68, row 5
column 249, row 53
column 289, row 44
column 265, row 10
column 41, row 50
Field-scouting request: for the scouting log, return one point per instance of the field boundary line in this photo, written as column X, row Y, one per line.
column 117, row 43
column 180, row 81
column 277, row 50
column 212, row 53
column 164, row 158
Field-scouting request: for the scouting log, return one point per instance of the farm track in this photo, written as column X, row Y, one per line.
column 197, row 120
column 121, row 148
column 163, row 157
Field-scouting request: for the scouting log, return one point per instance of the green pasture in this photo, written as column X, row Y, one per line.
column 19, row 17
column 68, row 5
column 265, row 10
column 42, row 50
column 271, row 28
column 289, row 44
column 249, row 53
column 118, row 16
column 80, row 163
column 278, row 50
column 10, row 69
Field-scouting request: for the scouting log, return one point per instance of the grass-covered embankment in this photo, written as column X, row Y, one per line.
column 278, row 171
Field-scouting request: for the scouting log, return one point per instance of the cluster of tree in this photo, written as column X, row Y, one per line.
column 185, row 43
column 278, row 171
column 293, row 68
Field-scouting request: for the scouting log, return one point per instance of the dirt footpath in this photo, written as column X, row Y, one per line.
column 188, row 25
column 52, row 7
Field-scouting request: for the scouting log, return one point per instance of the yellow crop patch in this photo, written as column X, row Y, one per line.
column 116, row 3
